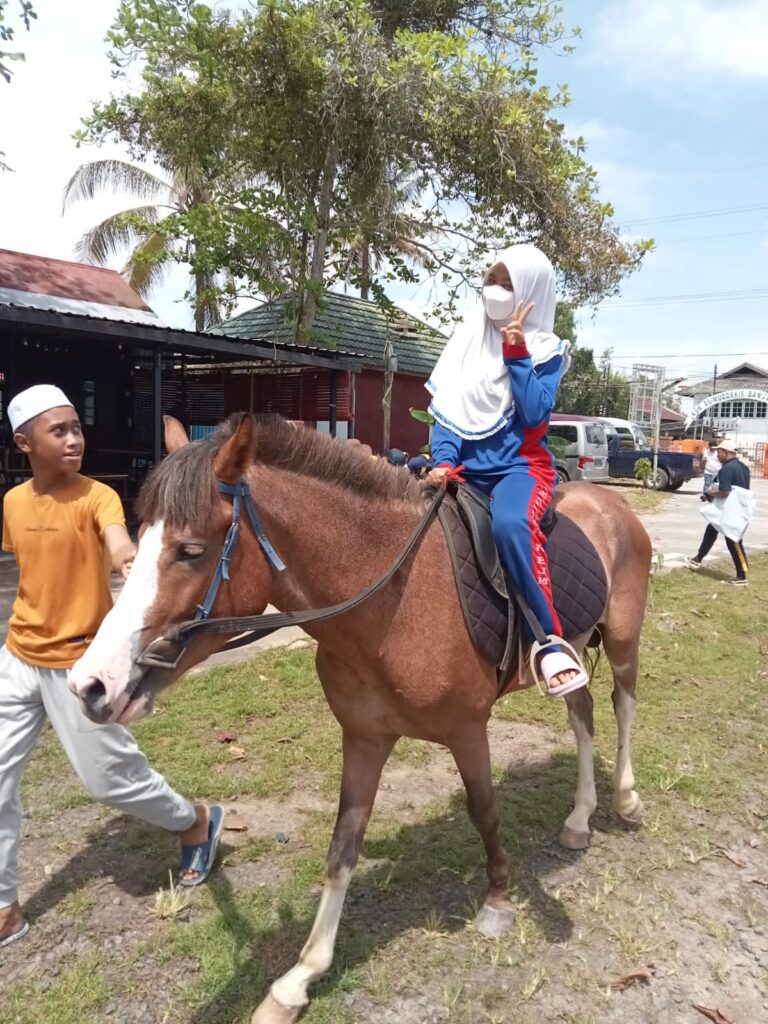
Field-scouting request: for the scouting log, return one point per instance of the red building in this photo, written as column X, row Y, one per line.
column 84, row 329
column 381, row 340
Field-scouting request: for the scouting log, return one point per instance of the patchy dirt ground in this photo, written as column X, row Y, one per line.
column 664, row 925
column 691, row 918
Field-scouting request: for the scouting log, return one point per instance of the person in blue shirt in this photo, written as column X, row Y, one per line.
column 732, row 474
column 493, row 390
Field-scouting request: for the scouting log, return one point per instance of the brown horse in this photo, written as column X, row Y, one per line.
column 339, row 519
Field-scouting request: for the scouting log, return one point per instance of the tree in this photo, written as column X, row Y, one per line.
column 26, row 14
column 383, row 213
column 588, row 389
column 142, row 228
column 303, row 112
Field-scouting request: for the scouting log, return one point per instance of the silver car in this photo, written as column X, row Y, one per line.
column 580, row 448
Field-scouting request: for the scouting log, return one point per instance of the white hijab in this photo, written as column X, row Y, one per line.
column 470, row 388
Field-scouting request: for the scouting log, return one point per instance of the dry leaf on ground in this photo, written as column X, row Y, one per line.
column 642, row 974
column 732, row 858
column 234, row 822
column 717, row 1016
column 237, row 753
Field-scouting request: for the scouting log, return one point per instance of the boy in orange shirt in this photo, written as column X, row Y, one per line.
column 65, row 531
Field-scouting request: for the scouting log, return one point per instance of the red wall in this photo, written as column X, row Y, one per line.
column 405, row 432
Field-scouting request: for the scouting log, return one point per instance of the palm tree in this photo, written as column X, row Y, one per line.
column 384, row 227
column 151, row 250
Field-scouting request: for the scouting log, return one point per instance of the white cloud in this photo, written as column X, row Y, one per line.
column 663, row 42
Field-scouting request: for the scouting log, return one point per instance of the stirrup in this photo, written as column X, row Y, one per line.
column 542, row 682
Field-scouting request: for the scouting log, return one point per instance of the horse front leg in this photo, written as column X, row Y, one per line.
column 472, row 755
column 574, row 834
column 364, row 758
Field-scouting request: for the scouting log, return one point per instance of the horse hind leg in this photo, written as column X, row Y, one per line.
column 575, row 832
column 472, row 755
column 364, row 759
column 624, row 659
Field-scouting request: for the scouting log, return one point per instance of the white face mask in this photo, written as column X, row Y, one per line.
column 499, row 303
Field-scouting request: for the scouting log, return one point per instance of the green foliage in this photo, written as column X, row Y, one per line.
column 27, row 15
column 144, row 229
column 422, row 416
column 565, row 322
column 591, row 390
column 366, row 143
column 643, row 470
column 558, row 445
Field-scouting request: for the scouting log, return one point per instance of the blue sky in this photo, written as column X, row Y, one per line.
column 671, row 98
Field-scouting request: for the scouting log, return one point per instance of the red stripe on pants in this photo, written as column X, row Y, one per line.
column 542, row 472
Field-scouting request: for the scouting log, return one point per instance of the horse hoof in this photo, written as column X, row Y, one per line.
column 570, row 839
column 495, row 922
column 272, row 1012
column 633, row 815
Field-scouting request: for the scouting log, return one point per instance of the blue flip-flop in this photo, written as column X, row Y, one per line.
column 16, row 935
column 200, row 856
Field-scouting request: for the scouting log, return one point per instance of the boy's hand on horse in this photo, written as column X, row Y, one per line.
column 121, row 549
column 513, row 335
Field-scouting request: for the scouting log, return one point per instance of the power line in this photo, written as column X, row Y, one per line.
column 705, row 238
column 694, row 297
column 692, row 355
column 697, row 215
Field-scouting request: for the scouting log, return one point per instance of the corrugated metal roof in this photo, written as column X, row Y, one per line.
column 346, row 322
column 41, row 276
column 143, row 333
column 745, row 375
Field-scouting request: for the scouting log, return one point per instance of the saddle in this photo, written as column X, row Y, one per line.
column 488, row 599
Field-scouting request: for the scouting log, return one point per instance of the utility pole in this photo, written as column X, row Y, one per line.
column 390, row 369
column 714, row 392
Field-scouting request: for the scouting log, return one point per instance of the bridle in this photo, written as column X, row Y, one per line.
column 166, row 652
column 241, row 492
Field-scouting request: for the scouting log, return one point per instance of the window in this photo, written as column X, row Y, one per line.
column 749, row 410
column 762, row 410
column 342, row 428
column 737, row 409
column 563, row 431
column 595, row 434
column 724, row 410
column 89, row 402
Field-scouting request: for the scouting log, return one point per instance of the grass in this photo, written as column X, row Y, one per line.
column 640, row 499
column 76, row 996
column 170, row 902
column 701, row 730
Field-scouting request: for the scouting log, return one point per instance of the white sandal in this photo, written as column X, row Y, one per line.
column 553, row 664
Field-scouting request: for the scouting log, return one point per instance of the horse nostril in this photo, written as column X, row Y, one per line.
column 94, row 696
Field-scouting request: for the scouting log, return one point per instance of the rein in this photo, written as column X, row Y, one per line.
column 166, row 651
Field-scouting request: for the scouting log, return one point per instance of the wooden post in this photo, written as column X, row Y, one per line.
column 333, row 402
column 390, row 368
column 157, row 405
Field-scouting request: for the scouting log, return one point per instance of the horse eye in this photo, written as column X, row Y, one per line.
column 189, row 552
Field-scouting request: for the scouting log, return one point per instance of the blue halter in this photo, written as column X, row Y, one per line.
column 241, row 492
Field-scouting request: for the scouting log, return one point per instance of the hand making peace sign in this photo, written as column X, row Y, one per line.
column 513, row 333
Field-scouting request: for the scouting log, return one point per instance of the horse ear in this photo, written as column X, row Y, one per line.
column 175, row 434
column 236, row 454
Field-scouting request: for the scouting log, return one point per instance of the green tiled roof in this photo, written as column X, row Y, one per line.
column 349, row 325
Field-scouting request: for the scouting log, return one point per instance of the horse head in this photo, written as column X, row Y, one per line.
column 187, row 524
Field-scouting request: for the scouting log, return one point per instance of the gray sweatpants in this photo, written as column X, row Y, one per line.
column 106, row 757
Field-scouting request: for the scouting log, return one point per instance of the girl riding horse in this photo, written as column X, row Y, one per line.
column 493, row 390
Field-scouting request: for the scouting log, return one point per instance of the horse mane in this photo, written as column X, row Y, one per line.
column 181, row 490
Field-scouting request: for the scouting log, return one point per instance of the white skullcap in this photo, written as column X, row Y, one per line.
column 35, row 400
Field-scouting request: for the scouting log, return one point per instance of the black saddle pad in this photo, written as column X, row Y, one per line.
column 579, row 584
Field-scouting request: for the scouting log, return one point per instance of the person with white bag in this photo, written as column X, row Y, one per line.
column 729, row 510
